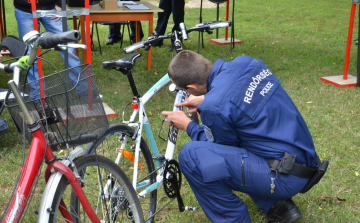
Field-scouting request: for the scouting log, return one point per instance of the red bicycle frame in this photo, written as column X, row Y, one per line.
column 28, row 176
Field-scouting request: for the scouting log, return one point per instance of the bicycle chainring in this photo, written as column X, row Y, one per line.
column 172, row 178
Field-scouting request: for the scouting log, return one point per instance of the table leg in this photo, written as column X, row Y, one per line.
column 83, row 37
column 150, row 50
column 1, row 22
column 137, row 37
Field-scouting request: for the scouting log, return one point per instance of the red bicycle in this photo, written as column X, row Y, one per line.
column 88, row 188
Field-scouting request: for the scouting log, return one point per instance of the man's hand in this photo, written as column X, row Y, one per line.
column 192, row 102
column 57, row 18
column 178, row 118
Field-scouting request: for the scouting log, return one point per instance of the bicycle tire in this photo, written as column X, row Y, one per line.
column 121, row 200
column 106, row 145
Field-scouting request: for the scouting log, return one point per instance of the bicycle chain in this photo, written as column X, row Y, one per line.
column 152, row 173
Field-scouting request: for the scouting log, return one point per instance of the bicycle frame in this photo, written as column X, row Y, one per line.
column 31, row 170
column 144, row 123
column 38, row 150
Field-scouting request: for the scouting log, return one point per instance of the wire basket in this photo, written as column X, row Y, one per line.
column 67, row 106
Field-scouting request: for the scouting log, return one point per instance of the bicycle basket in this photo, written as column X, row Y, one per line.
column 67, row 106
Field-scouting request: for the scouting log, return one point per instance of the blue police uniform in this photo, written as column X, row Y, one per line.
column 247, row 117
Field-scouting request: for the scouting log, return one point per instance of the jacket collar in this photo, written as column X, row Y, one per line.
column 214, row 72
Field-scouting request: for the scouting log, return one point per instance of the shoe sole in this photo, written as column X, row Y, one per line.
column 295, row 215
column 292, row 215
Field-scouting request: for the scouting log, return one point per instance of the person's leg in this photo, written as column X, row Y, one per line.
column 212, row 191
column 178, row 15
column 133, row 30
column 114, row 34
column 163, row 18
column 214, row 171
column 56, row 27
column 25, row 24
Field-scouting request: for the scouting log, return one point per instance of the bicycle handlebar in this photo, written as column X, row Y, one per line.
column 46, row 41
column 201, row 27
column 134, row 46
column 49, row 40
column 206, row 26
column 220, row 25
column 183, row 31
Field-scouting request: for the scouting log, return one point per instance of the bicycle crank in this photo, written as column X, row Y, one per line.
column 172, row 184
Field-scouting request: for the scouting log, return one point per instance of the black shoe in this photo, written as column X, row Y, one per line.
column 171, row 49
column 111, row 42
column 284, row 211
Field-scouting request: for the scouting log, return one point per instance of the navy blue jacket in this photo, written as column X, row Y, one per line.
column 246, row 107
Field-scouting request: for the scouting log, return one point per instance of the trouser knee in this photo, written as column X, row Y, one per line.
column 185, row 154
column 188, row 158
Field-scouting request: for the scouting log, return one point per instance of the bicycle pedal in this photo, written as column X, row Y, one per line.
column 190, row 208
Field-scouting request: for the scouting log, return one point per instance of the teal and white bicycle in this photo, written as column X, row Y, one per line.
column 124, row 142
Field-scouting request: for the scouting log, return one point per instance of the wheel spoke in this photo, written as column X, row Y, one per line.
column 116, row 202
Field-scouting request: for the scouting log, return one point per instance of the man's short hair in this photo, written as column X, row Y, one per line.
column 188, row 67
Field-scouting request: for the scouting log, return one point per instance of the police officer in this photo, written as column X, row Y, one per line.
column 248, row 122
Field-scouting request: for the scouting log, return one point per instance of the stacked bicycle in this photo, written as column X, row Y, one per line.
column 124, row 142
column 70, row 113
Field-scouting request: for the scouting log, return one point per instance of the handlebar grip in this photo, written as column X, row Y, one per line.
column 220, row 25
column 183, row 31
column 49, row 40
column 134, row 47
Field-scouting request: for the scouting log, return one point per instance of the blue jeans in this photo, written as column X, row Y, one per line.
column 25, row 25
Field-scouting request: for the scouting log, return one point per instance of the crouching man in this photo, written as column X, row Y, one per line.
column 253, row 139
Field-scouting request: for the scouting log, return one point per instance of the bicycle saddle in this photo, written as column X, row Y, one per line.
column 15, row 45
column 124, row 63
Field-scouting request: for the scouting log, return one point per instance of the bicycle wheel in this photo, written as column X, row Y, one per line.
column 109, row 144
column 107, row 188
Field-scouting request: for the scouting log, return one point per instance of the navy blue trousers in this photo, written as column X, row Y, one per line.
column 213, row 171
column 176, row 7
column 115, row 34
column 114, row 31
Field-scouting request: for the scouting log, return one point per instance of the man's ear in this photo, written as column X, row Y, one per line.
column 192, row 86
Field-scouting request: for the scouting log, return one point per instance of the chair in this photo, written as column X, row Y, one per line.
column 121, row 23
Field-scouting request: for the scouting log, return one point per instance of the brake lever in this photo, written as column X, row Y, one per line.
column 72, row 45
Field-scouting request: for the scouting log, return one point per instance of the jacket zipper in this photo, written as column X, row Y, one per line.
column 243, row 168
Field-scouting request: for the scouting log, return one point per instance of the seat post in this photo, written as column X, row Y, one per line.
column 132, row 84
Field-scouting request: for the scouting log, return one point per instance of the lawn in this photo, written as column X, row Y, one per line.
column 300, row 41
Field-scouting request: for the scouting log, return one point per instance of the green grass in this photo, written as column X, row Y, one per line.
column 300, row 41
